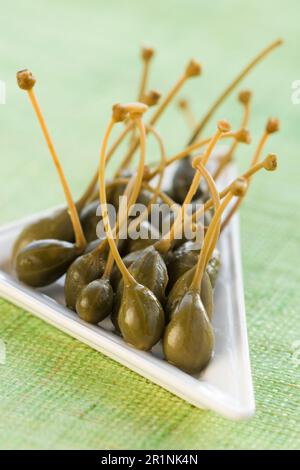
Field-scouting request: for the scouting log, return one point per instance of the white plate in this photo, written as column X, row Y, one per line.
column 226, row 384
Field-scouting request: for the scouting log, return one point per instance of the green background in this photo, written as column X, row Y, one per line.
column 56, row 392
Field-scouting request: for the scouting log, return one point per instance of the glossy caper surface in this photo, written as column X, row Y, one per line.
column 149, row 270
column 141, row 317
column 114, row 194
column 188, row 339
column 140, row 244
column 85, row 269
column 95, row 301
column 182, row 180
column 128, row 260
column 183, row 259
column 57, row 227
column 44, row 261
column 89, row 220
column 182, row 286
column 146, row 236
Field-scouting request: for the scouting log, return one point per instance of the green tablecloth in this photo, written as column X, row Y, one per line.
column 54, row 391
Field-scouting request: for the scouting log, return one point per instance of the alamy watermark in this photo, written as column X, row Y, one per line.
column 295, row 96
column 153, row 222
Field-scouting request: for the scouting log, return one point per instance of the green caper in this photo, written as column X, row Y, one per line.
column 141, row 317
column 148, row 270
column 139, row 244
column 44, row 261
column 58, row 226
column 145, row 197
column 114, row 193
column 148, row 236
column 182, row 286
column 85, row 269
column 127, row 260
column 89, row 221
column 183, row 259
column 189, row 340
column 182, row 181
column 95, row 301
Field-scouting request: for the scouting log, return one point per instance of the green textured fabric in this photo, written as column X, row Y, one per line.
column 56, row 392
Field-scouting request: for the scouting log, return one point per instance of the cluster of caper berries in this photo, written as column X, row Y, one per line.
column 162, row 287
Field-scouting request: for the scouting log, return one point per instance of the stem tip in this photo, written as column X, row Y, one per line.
column 25, row 79
column 119, row 112
column 196, row 161
column 193, row 69
column 239, row 187
column 272, row 125
column 243, row 136
column 224, row 126
column 151, row 98
column 182, row 103
column 147, row 53
column 244, row 96
column 270, row 162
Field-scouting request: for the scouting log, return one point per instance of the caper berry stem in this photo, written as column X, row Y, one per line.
column 259, row 148
column 238, row 203
column 164, row 244
column 185, row 106
column 110, row 153
column 259, row 57
column 163, row 196
column 108, row 267
column 233, row 211
column 102, row 191
column 91, row 187
column 193, row 69
column 238, row 188
column 162, row 165
column 168, row 98
column 272, row 126
column 191, row 148
column 147, row 54
column 245, row 100
column 119, row 114
column 163, row 159
column 137, row 180
column 140, row 172
column 150, row 98
column 88, row 193
column 269, row 164
column 79, row 235
column 133, row 182
column 110, row 260
column 216, row 202
column 201, row 264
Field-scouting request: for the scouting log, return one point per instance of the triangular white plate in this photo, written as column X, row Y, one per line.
column 226, row 384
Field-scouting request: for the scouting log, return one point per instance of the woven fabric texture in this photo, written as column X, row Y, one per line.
column 54, row 391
